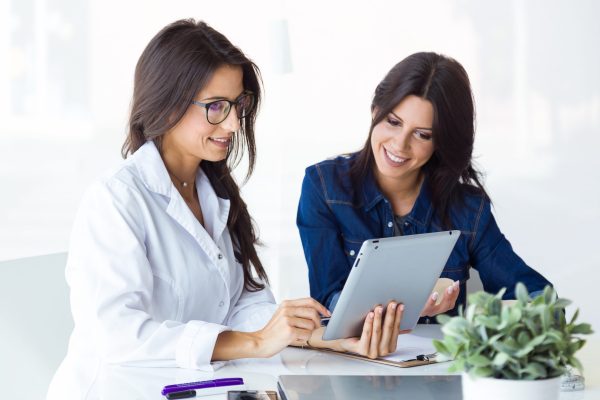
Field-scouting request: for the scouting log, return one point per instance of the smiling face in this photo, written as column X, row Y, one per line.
column 403, row 142
column 194, row 138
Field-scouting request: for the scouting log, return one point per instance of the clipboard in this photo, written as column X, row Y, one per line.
column 421, row 359
column 413, row 351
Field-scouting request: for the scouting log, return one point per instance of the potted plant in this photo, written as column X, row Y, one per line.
column 512, row 351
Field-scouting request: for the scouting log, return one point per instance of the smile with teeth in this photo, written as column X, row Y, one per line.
column 221, row 141
column 395, row 159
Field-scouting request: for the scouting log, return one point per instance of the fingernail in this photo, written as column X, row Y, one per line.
column 450, row 289
column 434, row 296
column 329, row 313
column 371, row 315
column 394, row 306
column 379, row 310
column 456, row 283
column 401, row 307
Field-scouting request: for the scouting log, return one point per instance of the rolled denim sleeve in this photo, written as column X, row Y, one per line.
column 321, row 239
column 495, row 260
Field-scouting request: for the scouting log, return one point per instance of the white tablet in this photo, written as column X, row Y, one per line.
column 400, row 268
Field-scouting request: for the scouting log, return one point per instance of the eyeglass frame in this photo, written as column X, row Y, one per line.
column 231, row 104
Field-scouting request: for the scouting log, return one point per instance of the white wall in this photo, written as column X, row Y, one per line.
column 66, row 69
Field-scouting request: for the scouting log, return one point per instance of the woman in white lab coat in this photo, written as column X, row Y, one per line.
column 162, row 265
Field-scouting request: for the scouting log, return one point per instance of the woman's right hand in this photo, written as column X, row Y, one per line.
column 292, row 324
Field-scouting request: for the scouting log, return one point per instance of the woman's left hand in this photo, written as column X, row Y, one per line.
column 449, row 297
column 379, row 335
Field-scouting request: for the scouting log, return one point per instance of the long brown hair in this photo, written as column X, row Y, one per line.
column 177, row 63
column 445, row 84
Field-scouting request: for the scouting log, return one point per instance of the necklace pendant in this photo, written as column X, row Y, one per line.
column 184, row 184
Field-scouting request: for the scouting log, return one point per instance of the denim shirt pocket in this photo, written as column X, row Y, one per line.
column 351, row 249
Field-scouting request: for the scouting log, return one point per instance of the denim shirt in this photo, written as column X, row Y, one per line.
column 334, row 218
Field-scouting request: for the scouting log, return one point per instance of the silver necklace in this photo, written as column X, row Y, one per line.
column 180, row 181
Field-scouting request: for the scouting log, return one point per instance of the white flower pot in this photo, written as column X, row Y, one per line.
column 503, row 389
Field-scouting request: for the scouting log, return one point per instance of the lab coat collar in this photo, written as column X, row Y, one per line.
column 215, row 210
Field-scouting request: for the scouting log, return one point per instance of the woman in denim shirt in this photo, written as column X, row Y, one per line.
column 414, row 175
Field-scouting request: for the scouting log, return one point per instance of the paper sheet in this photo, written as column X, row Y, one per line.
column 409, row 346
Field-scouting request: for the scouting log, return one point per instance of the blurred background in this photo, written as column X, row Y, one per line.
column 66, row 73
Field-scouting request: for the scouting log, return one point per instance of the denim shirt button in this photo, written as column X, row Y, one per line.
column 406, row 224
column 352, row 252
column 390, row 224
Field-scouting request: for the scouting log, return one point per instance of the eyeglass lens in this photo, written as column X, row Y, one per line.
column 219, row 110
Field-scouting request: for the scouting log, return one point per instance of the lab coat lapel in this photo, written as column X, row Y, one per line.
column 152, row 170
column 215, row 210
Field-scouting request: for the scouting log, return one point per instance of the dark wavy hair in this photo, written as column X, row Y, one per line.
column 177, row 63
column 444, row 83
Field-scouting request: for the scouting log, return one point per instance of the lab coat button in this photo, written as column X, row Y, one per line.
column 220, row 256
column 221, row 304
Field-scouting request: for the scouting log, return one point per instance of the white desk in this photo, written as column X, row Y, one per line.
column 146, row 383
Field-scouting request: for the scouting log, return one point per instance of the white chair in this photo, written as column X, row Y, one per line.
column 35, row 321
column 474, row 283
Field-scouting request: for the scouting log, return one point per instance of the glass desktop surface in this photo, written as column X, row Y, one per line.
column 349, row 387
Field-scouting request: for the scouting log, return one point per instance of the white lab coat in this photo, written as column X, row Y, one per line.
column 150, row 285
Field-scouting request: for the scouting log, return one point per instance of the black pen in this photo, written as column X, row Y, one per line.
column 423, row 357
column 185, row 394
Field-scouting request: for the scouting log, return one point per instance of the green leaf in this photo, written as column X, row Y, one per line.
column 524, row 351
column 483, row 333
column 574, row 316
column 500, row 359
column 457, row 366
column 470, row 314
column 574, row 362
column 443, row 319
column 500, row 293
column 546, row 319
column 562, row 303
column 534, row 370
column 440, row 347
column 522, row 293
column 478, row 360
column 482, row 372
column 491, row 322
column 523, row 338
column 536, row 341
column 539, row 300
column 583, row 328
column 509, row 374
column 502, row 347
column 555, row 336
column 495, row 338
column 531, row 325
column 549, row 294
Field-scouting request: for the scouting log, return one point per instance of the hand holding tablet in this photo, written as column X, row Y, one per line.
column 444, row 296
column 401, row 269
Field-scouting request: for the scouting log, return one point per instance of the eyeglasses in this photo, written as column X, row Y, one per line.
column 217, row 111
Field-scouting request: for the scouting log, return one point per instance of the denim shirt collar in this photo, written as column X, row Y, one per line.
column 422, row 211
